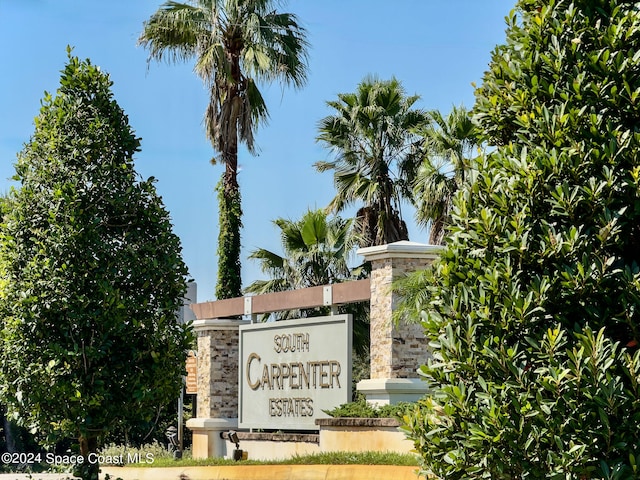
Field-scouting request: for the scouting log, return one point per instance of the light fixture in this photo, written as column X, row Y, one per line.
column 233, row 438
column 237, row 453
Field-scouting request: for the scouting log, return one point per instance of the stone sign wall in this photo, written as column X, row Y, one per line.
column 279, row 380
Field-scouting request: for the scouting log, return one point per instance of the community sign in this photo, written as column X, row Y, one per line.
column 292, row 370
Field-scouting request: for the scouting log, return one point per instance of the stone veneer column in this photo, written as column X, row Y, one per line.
column 396, row 351
column 217, row 397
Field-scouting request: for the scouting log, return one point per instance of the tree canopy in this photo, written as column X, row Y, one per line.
column 92, row 274
column 371, row 134
column 449, row 142
column 316, row 251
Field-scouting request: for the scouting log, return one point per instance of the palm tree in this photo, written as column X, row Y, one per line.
column 371, row 133
column 235, row 44
column 446, row 149
column 316, row 252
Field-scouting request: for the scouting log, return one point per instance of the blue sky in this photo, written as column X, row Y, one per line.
column 436, row 48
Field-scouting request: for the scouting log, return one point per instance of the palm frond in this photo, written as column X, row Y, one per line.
column 269, row 261
column 235, row 44
column 260, row 287
column 446, row 150
column 414, row 295
column 173, row 33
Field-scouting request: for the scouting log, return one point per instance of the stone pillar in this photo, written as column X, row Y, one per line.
column 396, row 350
column 217, row 397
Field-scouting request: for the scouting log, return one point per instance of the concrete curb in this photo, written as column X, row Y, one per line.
column 37, row 476
column 265, row 472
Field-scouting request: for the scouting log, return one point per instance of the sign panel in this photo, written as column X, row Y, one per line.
column 292, row 370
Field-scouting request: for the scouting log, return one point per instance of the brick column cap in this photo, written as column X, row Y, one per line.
column 217, row 324
column 401, row 249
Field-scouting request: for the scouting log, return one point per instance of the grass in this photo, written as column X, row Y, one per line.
column 163, row 458
column 329, row 458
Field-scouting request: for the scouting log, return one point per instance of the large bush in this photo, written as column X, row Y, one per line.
column 535, row 302
column 91, row 274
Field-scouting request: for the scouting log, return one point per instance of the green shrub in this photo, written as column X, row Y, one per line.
column 563, row 417
column 363, row 409
column 149, row 453
column 91, row 275
column 534, row 305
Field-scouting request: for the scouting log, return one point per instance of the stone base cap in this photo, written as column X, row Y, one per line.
column 388, row 391
column 212, row 424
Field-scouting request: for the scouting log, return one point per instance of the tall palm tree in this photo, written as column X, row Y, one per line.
column 371, row 134
column 447, row 148
column 316, row 251
column 235, row 44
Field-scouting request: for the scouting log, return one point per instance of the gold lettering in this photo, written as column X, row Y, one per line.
column 304, row 375
column 256, row 384
column 314, row 366
column 291, row 342
column 275, row 376
column 266, row 379
column 291, row 407
column 335, row 369
column 275, row 407
column 293, row 379
column 324, row 374
column 284, row 373
column 305, row 342
column 296, row 375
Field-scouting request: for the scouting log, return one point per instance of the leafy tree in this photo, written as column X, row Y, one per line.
column 534, row 304
column 370, row 134
column 235, row 44
column 316, row 252
column 92, row 274
column 448, row 145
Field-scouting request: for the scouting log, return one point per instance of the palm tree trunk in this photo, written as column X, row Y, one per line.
column 230, row 206
column 230, row 220
column 391, row 228
column 229, row 283
column 436, row 234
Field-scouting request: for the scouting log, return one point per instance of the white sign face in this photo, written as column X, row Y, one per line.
column 292, row 370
